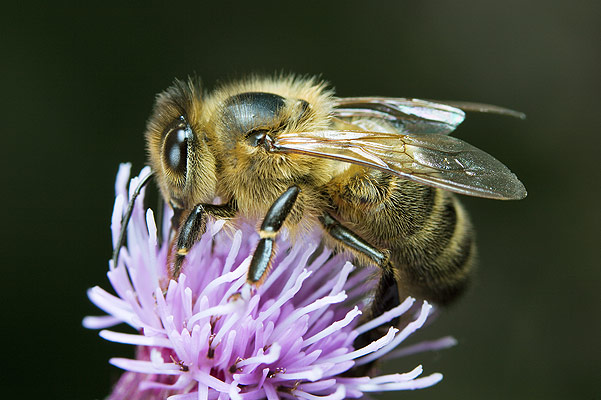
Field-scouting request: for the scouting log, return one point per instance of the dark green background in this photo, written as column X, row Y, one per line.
column 78, row 84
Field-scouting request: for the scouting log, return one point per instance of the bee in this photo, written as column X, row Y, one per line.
column 376, row 174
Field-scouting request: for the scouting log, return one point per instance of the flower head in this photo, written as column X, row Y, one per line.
column 292, row 337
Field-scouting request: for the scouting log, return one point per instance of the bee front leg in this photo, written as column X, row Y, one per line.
column 274, row 219
column 194, row 227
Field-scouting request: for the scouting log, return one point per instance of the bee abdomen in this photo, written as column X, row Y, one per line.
column 437, row 259
column 425, row 229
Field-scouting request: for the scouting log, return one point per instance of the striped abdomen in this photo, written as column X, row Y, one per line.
column 426, row 230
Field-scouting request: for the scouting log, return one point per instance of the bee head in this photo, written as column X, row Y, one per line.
column 177, row 146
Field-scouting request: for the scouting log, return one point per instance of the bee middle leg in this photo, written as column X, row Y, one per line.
column 272, row 223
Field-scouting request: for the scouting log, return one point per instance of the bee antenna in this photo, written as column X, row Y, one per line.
column 126, row 217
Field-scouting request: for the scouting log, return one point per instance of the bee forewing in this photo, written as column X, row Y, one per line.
column 452, row 164
column 409, row 115
column 434, row 160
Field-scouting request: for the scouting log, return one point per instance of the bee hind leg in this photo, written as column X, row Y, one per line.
column 353, row 241
column 272, row 223
column 386, row 295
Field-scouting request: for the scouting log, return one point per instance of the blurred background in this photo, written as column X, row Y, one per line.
column 78, row 83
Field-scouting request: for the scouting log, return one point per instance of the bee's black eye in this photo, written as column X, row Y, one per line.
column 175, row 150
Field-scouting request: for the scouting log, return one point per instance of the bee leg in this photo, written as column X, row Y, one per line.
column 386, row 297
column 274, row 219
column 127, row 216
column 352, row 240
column 386, row 294
column 193, row 228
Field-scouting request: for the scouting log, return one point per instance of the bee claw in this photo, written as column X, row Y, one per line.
column 243, row 294
column 235, row 297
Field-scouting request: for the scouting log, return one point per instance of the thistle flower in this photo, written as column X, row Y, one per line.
column 292, row 337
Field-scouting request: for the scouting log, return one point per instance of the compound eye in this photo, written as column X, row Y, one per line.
column 175, row 150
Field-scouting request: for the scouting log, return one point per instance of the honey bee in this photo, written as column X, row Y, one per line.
column 376, row 174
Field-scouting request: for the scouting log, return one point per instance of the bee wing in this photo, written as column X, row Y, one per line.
column 435, row 160
column 484, row 108
column 408, row 115
column 415, row 115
